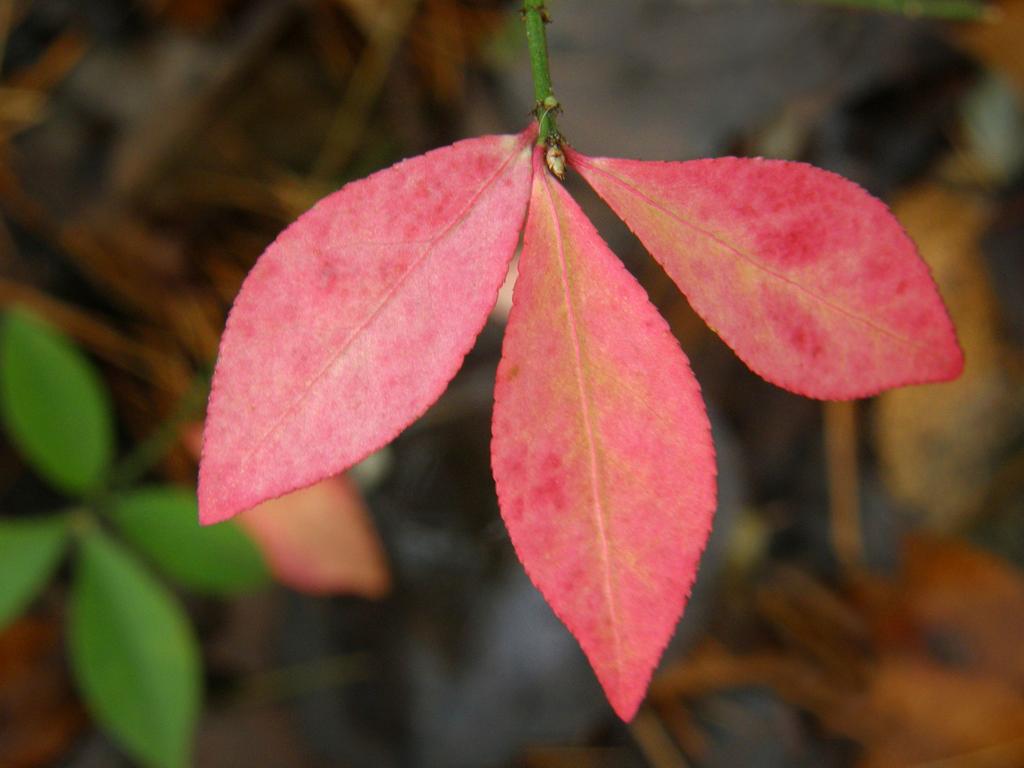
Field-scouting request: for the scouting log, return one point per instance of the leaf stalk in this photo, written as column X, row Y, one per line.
column 547, row 106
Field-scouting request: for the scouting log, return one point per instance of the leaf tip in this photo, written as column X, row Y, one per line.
column 626, row 699
column 216, row 502
column 210, row 512
column 954, row 362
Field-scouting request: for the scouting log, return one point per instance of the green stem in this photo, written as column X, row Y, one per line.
column 149, row 452
column 535, row 18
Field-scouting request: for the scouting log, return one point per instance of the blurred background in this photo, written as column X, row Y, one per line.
column 861, row 602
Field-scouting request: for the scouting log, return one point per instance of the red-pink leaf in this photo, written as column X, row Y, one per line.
column 806, row 276
column 356, row 318
column 602, row 450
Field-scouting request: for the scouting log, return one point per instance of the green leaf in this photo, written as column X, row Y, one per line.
column 29, row 552
column 163, row 522
column 54, row 404
column 133, row 654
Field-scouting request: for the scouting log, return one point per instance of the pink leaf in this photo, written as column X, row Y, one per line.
column 602, row 450
column 321, row 540
column 355, row 319
column 807, row 277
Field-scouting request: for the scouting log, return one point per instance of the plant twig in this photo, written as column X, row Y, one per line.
column 655, row 742
column 299, row 679
column 365, row 86
column 844, row 501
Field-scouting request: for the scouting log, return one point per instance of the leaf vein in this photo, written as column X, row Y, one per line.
column 592, row 449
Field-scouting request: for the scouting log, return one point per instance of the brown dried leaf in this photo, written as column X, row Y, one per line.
column 968, row 600
column 915, row 711
column 924, row 669
column 998, row 43
column 198, row 15
column 940, row 445
column 38, row 711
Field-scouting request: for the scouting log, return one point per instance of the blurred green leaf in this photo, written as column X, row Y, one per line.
column 163, row 522
column 54, row 404
column 133, row 654
column 951, row 10
column 29, row 551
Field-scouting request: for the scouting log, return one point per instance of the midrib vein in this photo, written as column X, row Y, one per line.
column 588, row 429
column 430, row 244
column 751, row 261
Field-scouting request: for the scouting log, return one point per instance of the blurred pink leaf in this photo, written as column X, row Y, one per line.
column 319, row 540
